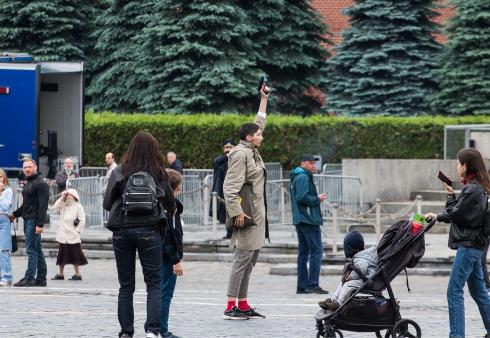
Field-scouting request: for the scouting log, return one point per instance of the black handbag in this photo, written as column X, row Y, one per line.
column 15, row 247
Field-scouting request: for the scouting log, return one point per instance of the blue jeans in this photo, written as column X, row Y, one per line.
column 466, row 268
column 5, row 249
column 148, row 242
column 309, row 249
column 167, row 287
column 34, row 249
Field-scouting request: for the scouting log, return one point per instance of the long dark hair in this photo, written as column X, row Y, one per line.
column 144, row 154
column 475, row 165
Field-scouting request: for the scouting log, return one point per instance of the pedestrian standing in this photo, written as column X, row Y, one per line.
column 137, row 221
column 6, row 195
column 220, row 168
column 244, row 191
column 35, row 194
column 70, row 228
column 65, row 174
column 466, row 213
column 307, row 218
column 174, row 163
column 172, row 253
column 110, row 161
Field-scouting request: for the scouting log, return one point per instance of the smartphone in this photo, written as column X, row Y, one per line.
column 444, row 178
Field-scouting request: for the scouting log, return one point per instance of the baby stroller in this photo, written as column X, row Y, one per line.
column 366, row 309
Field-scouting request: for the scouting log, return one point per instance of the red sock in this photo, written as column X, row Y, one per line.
column 231, row 304
column 243, row 305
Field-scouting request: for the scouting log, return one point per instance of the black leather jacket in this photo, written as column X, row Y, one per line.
column 466, row 214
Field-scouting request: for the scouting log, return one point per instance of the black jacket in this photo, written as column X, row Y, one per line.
column 62, row 177
column 220, row 167
column 173, row 243
column 113, row 203
column 177, row 166
column 35, row 195
column 466, row 214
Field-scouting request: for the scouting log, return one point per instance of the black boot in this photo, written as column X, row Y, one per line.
column 25, row 282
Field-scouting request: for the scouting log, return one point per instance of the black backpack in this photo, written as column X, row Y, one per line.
column 140, row 194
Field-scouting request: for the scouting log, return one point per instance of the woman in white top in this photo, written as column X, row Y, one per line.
column 6, row 194
column 72, row 223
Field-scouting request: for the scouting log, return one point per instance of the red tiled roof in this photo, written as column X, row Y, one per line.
column 331, row 11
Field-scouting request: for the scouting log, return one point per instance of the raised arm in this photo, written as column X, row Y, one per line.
column 262, row 113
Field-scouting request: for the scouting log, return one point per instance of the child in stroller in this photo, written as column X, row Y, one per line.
column 363, row 265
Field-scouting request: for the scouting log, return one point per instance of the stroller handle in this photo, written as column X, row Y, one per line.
column 431, row 223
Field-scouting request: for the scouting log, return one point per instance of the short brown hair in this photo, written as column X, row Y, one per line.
column 29, row 160
column 174, row 178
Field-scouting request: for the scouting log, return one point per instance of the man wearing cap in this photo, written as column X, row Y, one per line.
column 307, row 218
column 220, row 167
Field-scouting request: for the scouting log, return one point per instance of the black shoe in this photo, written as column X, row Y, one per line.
column 41, row 282
column 58, row 277
column 75, row 277
column 317, row 290
column 226, row 237
column 251, row 313
column 169, row 335
column 301, row 292
column 24, row 282
column 234, row 314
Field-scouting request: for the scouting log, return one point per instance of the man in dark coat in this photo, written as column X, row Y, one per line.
column 220, row 167
column 174, row 163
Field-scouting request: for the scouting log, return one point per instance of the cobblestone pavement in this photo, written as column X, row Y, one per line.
column 88, row 308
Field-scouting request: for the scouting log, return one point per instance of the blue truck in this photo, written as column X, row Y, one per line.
column 42, row 112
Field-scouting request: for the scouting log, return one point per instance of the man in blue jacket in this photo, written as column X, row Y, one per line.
column 307, row 218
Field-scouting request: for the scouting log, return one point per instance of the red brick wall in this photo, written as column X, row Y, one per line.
column 331, row 11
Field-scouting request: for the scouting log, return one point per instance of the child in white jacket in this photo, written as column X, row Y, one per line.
column 72, row 223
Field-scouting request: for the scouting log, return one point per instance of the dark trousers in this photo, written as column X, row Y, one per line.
column 148, row 242
column 34, row 250
column 167, row 287
column 484, row 265
column 310, row 250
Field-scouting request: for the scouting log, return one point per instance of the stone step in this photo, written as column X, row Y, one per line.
column 336, row 270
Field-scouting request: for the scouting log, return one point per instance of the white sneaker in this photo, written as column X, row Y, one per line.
column 4, row 283
column 152, row 335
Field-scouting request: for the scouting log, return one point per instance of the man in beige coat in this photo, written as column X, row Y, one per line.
column 245, row 200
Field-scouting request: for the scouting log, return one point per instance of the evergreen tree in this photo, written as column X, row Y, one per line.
column 199, row 58
column 384, row 63
column 291, row 40
column 51, row 30
column 464, row 76
column 118, row 84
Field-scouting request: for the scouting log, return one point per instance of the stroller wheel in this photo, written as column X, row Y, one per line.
column 406, row 328
column 333, row 333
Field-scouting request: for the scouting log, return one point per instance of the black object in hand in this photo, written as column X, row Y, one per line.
column 76, row 222
column 263, row 81
column 444, row 178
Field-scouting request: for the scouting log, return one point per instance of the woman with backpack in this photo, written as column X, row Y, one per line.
column 139, row 197
column 467, row 235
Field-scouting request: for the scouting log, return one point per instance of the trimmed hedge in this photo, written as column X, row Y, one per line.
column 197, row 139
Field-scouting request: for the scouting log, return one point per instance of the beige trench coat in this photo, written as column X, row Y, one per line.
column 244, row 191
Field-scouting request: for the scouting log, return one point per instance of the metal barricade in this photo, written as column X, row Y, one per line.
column 192, row 198
column 332, row 169
column 345, row 191
column 92, row 171
column 91, row 194
column 279, row 202
column 274, row 171
column 201, row 173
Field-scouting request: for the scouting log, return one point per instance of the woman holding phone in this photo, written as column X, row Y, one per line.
column 466, row 213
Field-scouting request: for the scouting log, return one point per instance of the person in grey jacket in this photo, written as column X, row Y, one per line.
column 364, row 260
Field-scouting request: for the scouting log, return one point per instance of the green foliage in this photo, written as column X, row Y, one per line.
column 198, row 138
column 51, row 30
column 290, row 39
column 118, row 83
column 464, row 75
column 384, row 64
